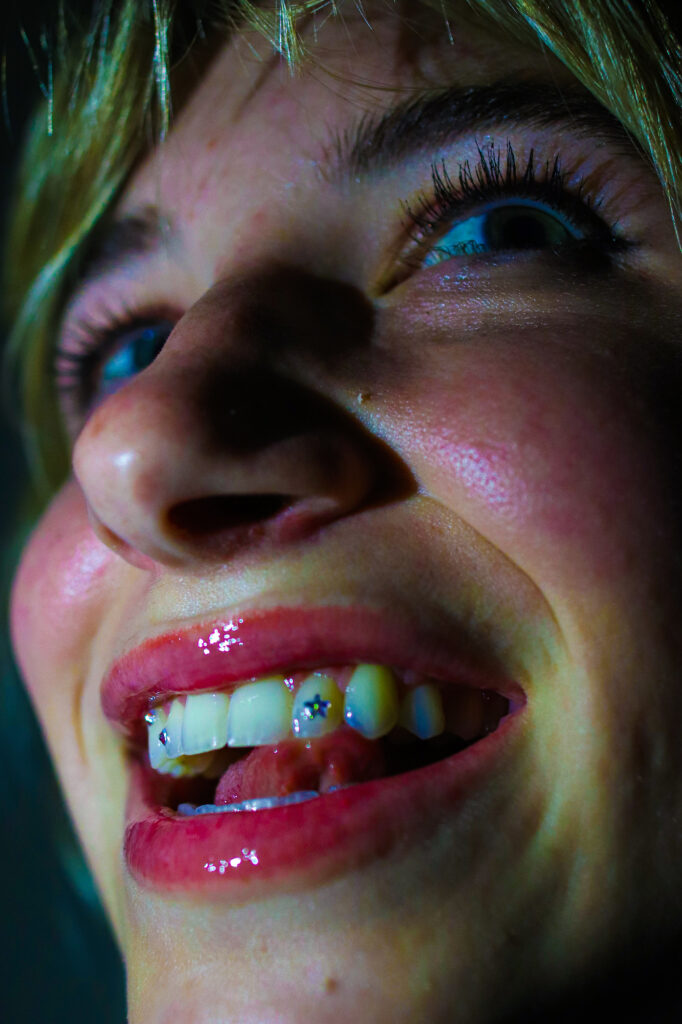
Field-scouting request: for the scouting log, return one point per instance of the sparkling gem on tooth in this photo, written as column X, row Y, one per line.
column 173, row 729
column 422, row 711
column 204, row 726
column 318, row 707
column 156, row 735
column 259, row 713
column 371, row 701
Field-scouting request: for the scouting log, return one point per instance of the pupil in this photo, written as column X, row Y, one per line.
column 148, row 345
column 515, row 229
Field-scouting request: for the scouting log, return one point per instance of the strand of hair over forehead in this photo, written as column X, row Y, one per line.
column 111, row 98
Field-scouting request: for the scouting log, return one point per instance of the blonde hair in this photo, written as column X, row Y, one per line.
column 111, row 97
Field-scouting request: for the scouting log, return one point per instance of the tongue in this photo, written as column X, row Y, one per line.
column 341, row 758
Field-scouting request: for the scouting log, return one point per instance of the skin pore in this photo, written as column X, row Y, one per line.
column 503, row 429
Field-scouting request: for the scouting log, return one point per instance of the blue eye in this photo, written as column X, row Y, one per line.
column 136, row 348
column 516, row 224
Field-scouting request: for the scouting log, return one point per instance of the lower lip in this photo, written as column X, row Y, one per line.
column 247, row 854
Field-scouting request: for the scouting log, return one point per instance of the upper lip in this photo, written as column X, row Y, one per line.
column 250, row 643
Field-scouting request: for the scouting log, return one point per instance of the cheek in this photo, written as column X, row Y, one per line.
column 59, row 593
column 554, row 456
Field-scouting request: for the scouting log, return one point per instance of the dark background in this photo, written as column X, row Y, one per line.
column 58, row 962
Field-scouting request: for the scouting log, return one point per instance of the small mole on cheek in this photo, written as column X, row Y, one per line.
column 330, row 985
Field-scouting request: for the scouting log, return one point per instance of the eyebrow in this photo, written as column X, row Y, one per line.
column 379, row 142
column 132, row 236
column 426, row 123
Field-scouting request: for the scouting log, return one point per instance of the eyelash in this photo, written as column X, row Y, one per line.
column 447, row 201
column 88, row 343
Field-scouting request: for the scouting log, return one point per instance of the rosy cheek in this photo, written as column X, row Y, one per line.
column 554, row 464
column 59, row 589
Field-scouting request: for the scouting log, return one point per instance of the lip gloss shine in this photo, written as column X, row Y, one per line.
column 245, row 853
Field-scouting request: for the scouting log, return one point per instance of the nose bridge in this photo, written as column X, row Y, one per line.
column 275, row 311
column 251, row 355
column 233, row 436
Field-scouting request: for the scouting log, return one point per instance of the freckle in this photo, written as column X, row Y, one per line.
column 330, row 985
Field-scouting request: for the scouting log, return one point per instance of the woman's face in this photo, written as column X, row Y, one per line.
column 417, row 408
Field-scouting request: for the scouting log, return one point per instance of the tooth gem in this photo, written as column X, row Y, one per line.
column 163, row 737
column 317, row 708
column 173, row 730
column 150, row 718
column 371, row 701
column 157, row 753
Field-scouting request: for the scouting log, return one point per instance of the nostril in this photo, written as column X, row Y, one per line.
column 220, row 512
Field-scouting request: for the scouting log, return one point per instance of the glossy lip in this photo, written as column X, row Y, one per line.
column 247, row 854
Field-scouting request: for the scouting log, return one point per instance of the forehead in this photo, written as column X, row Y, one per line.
column 252, row 110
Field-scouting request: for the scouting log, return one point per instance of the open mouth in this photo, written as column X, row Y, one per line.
column 290, row 738
column 248, row 778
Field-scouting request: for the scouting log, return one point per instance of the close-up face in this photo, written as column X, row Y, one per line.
column 354, row 634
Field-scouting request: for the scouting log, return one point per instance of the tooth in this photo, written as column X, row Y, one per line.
column 173, row 747
column 422, row 711
column 157, row 737
column 318, row 707
column 204, row 726
column 181, row 767
column 371, row 701
column 260, row 713
column 256, row 804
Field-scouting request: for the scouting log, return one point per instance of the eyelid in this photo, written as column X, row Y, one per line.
column 587, row 197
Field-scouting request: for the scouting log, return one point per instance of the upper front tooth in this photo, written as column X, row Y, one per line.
column 318, row 707
column 259, row 713
column 371, row 701
column 204, row 725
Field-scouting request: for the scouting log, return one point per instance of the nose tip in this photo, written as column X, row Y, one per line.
column 180, row 475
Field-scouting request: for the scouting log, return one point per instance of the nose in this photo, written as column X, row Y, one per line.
column 227, row 440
